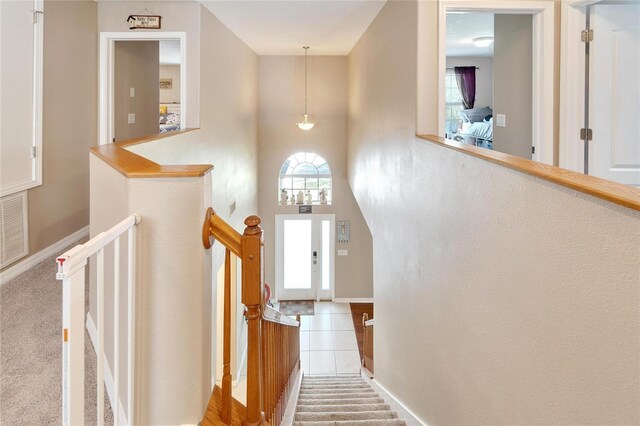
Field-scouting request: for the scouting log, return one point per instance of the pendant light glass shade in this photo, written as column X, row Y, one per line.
column 305, row 124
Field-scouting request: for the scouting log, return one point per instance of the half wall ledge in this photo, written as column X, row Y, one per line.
column 614, row 192
column 133, row 165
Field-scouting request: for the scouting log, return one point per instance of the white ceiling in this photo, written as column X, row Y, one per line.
column 329, row 27
column 169, row 52
column 462, row 27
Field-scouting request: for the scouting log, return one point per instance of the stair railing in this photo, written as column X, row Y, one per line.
column 273, row 349
column 367, row 343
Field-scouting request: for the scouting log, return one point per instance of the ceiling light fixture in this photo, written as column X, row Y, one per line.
column 483, row 41
column 305, row 124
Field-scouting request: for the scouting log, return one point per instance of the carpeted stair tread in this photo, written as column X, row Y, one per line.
column 332, row 400
column 318, row 391
column 321, row 396
column 336, row 382
column 342, row 408
column 352, row 401
column 390, row 422
column 356, row 415
column 336, row 386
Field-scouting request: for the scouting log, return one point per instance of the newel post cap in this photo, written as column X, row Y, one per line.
column 253, row 225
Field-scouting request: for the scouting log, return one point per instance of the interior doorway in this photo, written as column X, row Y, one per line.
column 533, row 24
column 142, row 84
column 305, row 264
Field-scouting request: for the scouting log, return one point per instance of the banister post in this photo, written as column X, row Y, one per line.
column 251, row 243
column 365, row 318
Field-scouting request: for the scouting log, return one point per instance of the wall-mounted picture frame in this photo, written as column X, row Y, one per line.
column 166, row 84
column 146, row 22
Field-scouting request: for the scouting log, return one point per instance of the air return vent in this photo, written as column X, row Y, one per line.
column 13, row 228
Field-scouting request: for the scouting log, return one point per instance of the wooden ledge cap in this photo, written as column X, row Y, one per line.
column 133, row 165
column 614, row 192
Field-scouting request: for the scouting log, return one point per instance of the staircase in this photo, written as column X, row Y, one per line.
column 342, row 400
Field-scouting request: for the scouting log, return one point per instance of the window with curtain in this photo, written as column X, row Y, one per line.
column 307, row 172
column 453, row 99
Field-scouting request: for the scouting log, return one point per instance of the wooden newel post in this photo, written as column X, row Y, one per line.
column 251, row 243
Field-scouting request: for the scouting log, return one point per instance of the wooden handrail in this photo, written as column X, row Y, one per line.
column 273, row 349
column 367, row 343
column 214, row 226
column 618, row 193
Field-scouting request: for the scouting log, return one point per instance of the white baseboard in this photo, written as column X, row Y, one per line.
column 53, row 250
column 401, row 408
column 108, row 377
column 353, row 299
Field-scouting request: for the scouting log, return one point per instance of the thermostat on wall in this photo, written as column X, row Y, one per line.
column 343, row 231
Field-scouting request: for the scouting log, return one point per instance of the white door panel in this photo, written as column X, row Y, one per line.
column 615, row 88
column 304, row 257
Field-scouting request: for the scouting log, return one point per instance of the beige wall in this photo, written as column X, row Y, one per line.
column 513, row 83
column 281, row 106
column 181, row 16
column 136, row 66
column 170, row 95
column 514, row 312
column 227, row 137
column 171, row 271
column 484, row 77
column 60, row 206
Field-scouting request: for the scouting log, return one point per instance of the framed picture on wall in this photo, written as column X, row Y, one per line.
column 166, row 83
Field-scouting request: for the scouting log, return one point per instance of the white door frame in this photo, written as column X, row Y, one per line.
column 543, row 63
column 106, row 75
column 279, row 275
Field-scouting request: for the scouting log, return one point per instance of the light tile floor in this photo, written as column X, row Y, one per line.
column 328, row 341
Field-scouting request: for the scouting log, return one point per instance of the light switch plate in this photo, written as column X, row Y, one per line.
column 343, row 252
column 132, row 92
column 501, row 120
column 131, row 119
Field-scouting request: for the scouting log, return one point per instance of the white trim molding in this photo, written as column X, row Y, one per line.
column 37, row 106
column 106, row 76
column 51, row 251
column 543, row 63
column 571, row 148
column 396, row 405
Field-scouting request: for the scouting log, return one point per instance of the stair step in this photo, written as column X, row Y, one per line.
column 306, row 386
column 356, row 415
column 332, row 382
column 341, row 408
column 338, row 395
column 342, row 376
column 390, row 422
column 339, row 390
column 309, row 401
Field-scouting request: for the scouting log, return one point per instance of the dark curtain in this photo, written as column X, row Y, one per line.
column 466, row 77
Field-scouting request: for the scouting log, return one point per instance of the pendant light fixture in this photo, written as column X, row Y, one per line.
column 305, row 124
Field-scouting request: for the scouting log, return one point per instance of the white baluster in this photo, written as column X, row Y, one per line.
column 131, row 300
column 116, row 332
column 100, row 331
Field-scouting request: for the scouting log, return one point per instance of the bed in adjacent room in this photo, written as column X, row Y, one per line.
column 169, row 117
column 477, row 127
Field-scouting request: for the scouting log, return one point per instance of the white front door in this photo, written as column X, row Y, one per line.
column 305, row 257
column 615, row 92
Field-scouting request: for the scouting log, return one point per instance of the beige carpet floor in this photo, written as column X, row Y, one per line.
column 31, row 352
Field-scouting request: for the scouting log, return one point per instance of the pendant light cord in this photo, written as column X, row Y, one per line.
column 306, row 50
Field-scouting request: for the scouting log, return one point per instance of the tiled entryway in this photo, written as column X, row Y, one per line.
column 328, row 341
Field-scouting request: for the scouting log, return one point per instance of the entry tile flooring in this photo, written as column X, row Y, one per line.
column 328, row 343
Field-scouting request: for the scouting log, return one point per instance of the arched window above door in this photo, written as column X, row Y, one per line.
column 307, row 172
